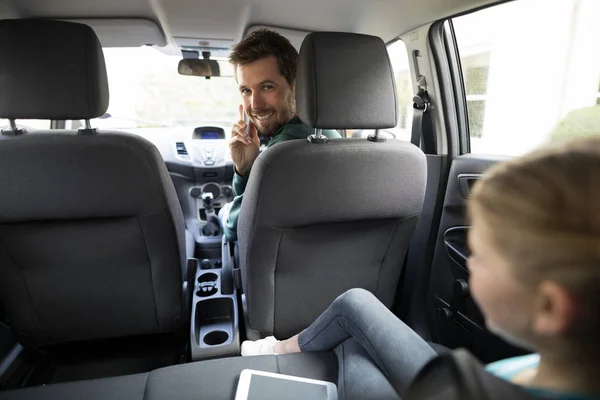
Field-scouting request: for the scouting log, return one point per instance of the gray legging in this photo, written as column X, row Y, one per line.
column 378, row 354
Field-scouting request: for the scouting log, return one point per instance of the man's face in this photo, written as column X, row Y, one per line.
column 269, row 100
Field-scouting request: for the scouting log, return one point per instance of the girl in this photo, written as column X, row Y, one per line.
column 534, row 272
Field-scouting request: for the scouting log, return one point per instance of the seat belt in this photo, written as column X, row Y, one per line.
column 422, row 127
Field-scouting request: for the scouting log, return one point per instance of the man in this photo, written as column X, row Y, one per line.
column 265, row 66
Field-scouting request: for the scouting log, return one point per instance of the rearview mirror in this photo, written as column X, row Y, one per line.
column 202, row 67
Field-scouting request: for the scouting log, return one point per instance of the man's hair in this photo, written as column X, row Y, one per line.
column 265, row 43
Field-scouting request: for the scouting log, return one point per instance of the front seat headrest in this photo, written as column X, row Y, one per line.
column 345, row 81
column 51, row 70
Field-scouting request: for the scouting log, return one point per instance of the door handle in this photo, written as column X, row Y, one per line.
column 457, row 256
column 466, row 182
column 455, row 241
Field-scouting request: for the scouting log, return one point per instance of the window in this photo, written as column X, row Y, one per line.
column 149, row 97
column 28, row 124
column 529, row 80
column 405, row 101
column 399, row 59
column 475, row 73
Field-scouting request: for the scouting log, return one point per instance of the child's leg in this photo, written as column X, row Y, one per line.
column 395, row 348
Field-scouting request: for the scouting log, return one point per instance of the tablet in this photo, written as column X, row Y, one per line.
column 259, row 385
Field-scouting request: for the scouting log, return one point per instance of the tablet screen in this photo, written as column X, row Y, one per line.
column 268, row 388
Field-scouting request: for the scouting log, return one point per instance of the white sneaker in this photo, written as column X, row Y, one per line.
column 261, row 347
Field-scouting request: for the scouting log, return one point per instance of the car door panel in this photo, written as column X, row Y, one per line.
column 454, row 317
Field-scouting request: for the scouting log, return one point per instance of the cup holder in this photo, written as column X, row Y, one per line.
column 208, row 277
column 208, row 285
column 215, row 338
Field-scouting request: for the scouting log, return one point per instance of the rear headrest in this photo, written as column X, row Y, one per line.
column 51, row 70
column 345, row 81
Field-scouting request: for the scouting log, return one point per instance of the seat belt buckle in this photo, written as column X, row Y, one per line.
column 237, row 279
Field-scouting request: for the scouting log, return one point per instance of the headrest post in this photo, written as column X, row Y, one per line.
column 88, row 130
column 14, row 129
column 376, row 138
column 317, row 137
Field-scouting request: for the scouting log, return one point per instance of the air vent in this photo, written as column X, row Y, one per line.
column 181, row 150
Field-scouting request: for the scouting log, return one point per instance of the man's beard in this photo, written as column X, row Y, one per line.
column 270, row 131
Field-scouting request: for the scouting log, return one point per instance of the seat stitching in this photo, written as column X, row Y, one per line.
column 244, row 247
column 274, row 269
column 146, row 385
column 385, row 254
column 162, row 192
column 350, row 221
column 83, row 219
column 151, row 272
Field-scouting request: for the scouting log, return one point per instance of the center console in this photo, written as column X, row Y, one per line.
column 214, row 324
column 214, row 327
column 202, row 173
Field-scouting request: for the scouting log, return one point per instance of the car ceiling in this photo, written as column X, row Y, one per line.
column 229, row 19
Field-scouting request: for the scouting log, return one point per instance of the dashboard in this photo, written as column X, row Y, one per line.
column 199, row 164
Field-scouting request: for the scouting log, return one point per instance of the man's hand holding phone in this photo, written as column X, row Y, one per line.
column 244, row 144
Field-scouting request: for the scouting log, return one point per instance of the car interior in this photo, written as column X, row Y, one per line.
column 116, row 280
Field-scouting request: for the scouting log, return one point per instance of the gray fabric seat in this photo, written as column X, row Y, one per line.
column 321, row 218
column 213, row 379
column 92, row 241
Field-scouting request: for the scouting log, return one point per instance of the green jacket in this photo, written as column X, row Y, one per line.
column 294, row 129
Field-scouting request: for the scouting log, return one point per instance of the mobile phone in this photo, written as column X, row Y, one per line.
column 247, row 121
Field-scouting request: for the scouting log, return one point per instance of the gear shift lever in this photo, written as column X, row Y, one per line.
column 212, row 227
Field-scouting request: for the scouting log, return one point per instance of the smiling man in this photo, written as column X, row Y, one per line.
column 265, row 66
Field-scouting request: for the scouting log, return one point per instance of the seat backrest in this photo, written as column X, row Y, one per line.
column 320, row 218
column 91, row 232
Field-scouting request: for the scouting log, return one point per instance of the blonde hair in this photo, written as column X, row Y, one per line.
column 544, row 214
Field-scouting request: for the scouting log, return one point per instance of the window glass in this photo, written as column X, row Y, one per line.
column 150, row 98
column 28, row 124
column 404, row 87
column 529, row 80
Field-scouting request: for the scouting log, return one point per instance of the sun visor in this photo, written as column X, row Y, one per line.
column 130, row 32
column 218, row 48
